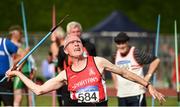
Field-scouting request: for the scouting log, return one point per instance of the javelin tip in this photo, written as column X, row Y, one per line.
column 62, row 20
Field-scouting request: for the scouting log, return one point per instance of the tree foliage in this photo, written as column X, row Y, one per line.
column 89, row 12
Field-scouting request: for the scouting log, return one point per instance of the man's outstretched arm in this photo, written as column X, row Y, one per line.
column 50, row 85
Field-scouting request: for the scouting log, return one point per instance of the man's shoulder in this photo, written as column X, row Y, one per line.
column 9, row 43
column 98, row 58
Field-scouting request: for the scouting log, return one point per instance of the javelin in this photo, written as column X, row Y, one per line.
column 156, row 50
column 35, row 47
column 176, row 58
column 27, row 44
column 24, row 24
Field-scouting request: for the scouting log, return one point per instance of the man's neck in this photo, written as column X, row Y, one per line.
column 15, row 41
column 79, row 63
column 124, row 54
column 78, row 60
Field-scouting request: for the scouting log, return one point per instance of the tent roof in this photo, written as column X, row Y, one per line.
column 117, row 21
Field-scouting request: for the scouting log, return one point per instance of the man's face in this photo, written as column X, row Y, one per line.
column 75, row 31
column 123, row 47
column 17, row 34
column 74, row 47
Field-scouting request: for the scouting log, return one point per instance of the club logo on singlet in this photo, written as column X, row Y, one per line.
column 91, row 72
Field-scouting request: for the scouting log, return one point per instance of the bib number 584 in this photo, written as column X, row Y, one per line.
column 88, row 97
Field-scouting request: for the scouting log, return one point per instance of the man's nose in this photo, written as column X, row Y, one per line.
column 76, row 44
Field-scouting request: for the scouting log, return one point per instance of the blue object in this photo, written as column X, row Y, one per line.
column 117, row 21
column 156, row 50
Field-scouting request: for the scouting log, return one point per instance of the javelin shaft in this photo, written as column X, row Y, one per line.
column 27, row 43
column 24, row 24
column 25, row 29
column 156, row 50
column 176, row 59
column 157, row 36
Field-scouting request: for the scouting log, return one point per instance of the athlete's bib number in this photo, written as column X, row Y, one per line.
column 88, row 97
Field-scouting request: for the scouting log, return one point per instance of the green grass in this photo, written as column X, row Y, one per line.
column 47, row 101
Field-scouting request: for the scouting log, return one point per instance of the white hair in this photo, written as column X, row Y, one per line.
column 72, row 25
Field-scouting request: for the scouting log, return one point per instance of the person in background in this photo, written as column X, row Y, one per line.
column 75, row 29
column 8, row 53
column 15, row 33
column 57, row 39
column 166, row 54
column 84, row 77
column 47, row 67
column 132, row 59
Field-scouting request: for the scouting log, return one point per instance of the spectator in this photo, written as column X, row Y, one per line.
column 15, row 33
column 47, row 67
column 57, row 39
column 132, row 59
column 166, row 55
column 8, row 52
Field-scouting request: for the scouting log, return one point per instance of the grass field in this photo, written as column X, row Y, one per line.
column 47, row 101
